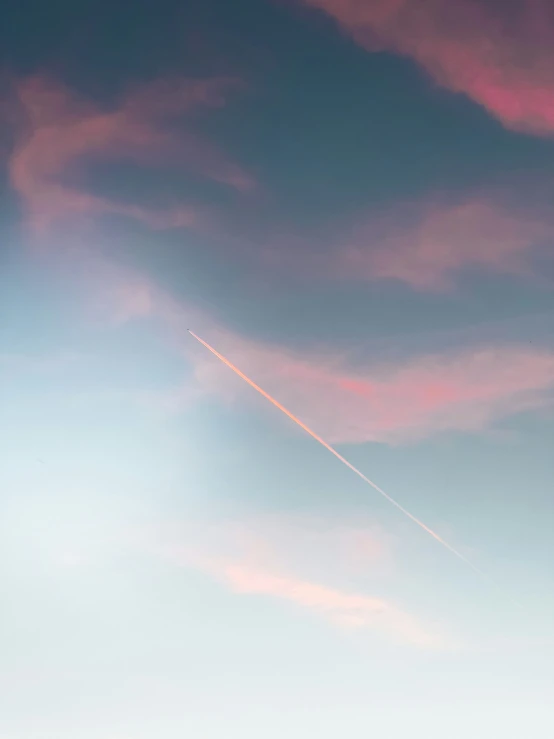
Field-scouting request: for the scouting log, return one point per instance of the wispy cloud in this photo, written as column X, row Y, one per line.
column 287, row 558
column 499, row 55
column 344, row 400
column 60, row 132
column 412, row 397
column 426, row 245
column 351, row 610
column 467, row 390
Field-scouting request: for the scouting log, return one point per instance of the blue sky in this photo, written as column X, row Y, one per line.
column 351, row 203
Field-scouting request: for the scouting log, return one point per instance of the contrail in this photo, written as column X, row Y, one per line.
column 329, row 448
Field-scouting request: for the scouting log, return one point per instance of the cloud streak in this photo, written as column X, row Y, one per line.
column 427, row 243
column 501, row 56
column 467, row 390
column 425, row 246
column 292, row 559
column 60, row 133
column 349, row 610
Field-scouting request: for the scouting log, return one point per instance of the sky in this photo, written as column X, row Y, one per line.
column 350, row 200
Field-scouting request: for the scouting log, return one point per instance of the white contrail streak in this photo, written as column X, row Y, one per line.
column 327, row 446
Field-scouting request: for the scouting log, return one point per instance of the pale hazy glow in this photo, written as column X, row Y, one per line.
column 136, row 576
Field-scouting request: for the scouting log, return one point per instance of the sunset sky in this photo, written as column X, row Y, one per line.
column 351, row 200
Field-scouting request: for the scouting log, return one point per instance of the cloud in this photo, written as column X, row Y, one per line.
column 467, row 390
column 343, row 608
column 424, row 245
column 500, row 55
column 60, row 132
column 294, row 559
column 345, row 401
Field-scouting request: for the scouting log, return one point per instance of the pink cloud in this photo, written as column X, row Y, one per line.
column 287, row 558
column 59, row 132
column 342, row 608
column 426, row 245
column 500, row 57
column 344, row 401
column 463, row 391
